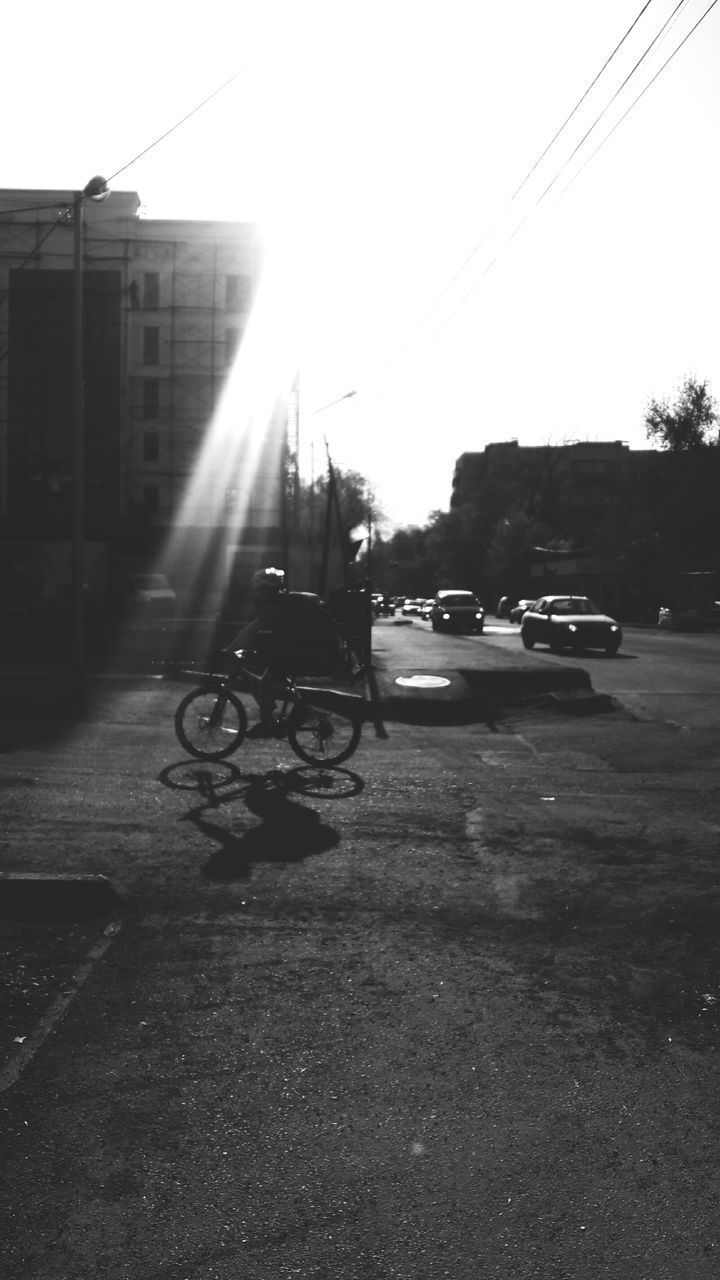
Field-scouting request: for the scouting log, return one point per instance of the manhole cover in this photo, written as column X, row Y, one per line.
column 423, row 682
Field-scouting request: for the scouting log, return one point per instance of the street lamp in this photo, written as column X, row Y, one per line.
column 348, row 395
column 97, row 190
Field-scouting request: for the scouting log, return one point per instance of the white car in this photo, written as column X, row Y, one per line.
column 569, row 622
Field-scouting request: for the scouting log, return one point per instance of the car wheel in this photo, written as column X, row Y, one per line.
column 527, row 640
column 611, row 649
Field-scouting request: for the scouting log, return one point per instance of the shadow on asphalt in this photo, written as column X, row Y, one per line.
column 289, row 831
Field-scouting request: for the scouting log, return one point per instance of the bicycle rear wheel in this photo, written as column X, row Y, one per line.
column 210, row 723
column 321, row 736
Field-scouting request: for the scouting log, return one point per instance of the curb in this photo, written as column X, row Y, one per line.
column 55, row 896
column 468, row 696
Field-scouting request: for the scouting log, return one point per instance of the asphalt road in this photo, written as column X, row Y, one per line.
column 669, row 675
column 452, row 1011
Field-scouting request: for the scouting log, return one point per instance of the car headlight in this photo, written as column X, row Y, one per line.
column 446, row 617
column 478, row 617
column 571, row 626
column 614, row 627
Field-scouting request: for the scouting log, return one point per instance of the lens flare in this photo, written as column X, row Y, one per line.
column 230, row 520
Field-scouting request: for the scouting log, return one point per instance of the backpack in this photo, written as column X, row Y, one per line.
column 307, row 624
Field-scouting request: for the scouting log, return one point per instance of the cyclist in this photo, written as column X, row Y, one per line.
column 290, row 630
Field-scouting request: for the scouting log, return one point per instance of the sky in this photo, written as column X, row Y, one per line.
column 466, row 286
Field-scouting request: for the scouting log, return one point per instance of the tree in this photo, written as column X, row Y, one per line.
column 509, row 553
column 688, row 423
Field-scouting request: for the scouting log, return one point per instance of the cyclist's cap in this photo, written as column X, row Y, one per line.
column 269, row 578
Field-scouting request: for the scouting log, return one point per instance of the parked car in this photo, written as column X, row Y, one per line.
column 517, row 611
column 457, row 611
column 150, row 593
column 426, row 609
column 503, row 607
column 569, row 622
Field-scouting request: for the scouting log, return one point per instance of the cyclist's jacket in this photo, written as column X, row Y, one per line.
column 299, row 625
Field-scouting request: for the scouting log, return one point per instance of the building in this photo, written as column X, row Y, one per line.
column 622, row 525
column 167, row 306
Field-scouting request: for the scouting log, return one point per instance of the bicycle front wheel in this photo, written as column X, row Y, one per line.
column 321, row 736
column 210, row 723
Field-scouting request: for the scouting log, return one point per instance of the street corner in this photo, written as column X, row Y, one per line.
column 433, row 696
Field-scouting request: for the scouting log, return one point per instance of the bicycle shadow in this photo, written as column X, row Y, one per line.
column 288, row 832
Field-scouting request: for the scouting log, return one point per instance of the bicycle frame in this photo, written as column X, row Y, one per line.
column 321, row 725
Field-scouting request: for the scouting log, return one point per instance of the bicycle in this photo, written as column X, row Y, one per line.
column 211, row 721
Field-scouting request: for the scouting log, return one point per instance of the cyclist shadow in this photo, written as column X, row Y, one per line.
column 289, row 832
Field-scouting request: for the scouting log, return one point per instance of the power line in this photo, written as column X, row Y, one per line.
column 551, row 184
column 475, row 250
column 527, row 216
column 30, row 208
column 637, row 99
column 573, row 153
column 607, row 106
column 220, row 89
column 184, row 120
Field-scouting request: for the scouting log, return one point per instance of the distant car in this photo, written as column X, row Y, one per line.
column 503, row 607
column 411, row 608
column 426, row 609
column 517, row 611
column 150, row 592
column 569, row 622
column 457, row 611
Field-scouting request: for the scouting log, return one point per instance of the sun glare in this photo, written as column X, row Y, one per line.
column 236, row 482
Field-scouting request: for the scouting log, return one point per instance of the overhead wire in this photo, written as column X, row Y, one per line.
column 43, row 207
column 575, row 150
column 176, row 126
column 637, row 99
column 476, row 248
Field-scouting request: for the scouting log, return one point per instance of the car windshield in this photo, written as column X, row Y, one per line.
column 574, row 604
column 460, row 598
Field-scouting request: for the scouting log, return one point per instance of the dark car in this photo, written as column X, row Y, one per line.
column 457, row 611
column 569, row 622
column 517, row 611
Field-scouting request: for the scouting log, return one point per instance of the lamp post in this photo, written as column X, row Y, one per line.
column 323, row 571
column 97, row 189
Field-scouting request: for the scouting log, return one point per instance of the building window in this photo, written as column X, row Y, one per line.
column 151, row 289
column 151, row 446
column 151, row 398
column 238, row 291
column 232, row 342
column 151, row 344
column 151, row 497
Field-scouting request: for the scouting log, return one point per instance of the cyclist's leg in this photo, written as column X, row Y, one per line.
column 264, row 694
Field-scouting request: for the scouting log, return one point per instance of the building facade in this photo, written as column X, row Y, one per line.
column 167, row 305
column 622, row 525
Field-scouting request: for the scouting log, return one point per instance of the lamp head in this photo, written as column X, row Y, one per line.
column 97, row 189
